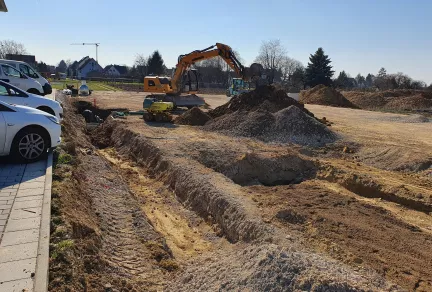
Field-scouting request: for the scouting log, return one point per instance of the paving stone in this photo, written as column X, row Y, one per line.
column 6, row 211
column 18, row 252
column 3, row 196
column 17, row 270
column 5, row 207
column 19, row 237
column 10, row 187
column 4, row 216
column 26, row 213
column 18, row 285
column 29, row 198
column 30, row 192
column 33, row 185
column 2, row 221
column 27, row 204
column 22, row 224
column 7, row 192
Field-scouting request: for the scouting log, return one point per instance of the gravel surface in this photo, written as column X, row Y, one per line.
column 271, row 268
column 268, row 98
column 288, row 125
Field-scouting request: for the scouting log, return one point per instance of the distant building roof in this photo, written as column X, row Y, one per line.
column 23, row 58
column 3, row 6
column 123, row 70
column 83, row 62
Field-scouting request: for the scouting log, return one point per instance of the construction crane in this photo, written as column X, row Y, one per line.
column 89, row 44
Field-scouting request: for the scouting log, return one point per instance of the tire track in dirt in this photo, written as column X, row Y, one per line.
column 130, row 246
column 186, row 234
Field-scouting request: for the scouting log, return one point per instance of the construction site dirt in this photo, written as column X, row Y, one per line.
column 167, row 207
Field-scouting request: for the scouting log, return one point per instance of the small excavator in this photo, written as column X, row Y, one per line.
column 166, row 92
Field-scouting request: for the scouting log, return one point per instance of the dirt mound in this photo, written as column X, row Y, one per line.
column 288, row 125
column 409, row 103
column 324, row 95
column 268, row 97
column 270, row 268
column 193, row 117
column 391, row 99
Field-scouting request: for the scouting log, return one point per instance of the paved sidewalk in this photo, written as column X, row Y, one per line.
column 25, row 202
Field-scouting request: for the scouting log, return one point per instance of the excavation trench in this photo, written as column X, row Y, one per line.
column 369, row 188
column 216, row 193
column 197, row 187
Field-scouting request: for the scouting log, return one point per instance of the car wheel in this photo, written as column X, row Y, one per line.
column 34, row 91
column 30, row 145
column 47, row 110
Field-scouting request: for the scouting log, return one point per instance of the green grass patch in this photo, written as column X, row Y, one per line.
column 93, row 85
column 61, row 247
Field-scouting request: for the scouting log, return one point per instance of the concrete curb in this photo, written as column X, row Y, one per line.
column 42, row 263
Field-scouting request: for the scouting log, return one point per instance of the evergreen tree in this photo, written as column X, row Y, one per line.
column 369, row 80
column 155, row 64
column 382, row 72
column 319, row 70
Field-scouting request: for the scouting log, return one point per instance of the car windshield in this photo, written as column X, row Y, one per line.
column 10, row 71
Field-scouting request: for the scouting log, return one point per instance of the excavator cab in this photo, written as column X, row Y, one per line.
column 190, row 81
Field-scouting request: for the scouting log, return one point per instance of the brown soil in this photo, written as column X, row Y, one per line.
column 269, row 98
column 236, row 213
column 193, row 117
column 287, row 125
column 391, row 100
column 324, row 95
column 101, row 238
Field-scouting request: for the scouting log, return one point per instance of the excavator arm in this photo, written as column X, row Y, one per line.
column 186, row 61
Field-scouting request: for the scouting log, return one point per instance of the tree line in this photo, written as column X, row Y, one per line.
column 288, row 72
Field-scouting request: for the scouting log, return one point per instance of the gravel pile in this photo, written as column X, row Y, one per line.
column 287, row 125
column 193, row 117
column 271, row 268
column 267, row 97
column 324, row 95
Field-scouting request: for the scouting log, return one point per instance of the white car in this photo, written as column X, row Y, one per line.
column 13, row 95
column 29, row 71
column 27, row 133
column 20, row 80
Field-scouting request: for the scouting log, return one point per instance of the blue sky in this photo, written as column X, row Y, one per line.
column 359, row 36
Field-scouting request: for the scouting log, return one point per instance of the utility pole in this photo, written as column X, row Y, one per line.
column 89, row 44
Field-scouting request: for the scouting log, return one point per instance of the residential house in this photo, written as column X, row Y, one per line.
column 87, row 65
column 116, row 70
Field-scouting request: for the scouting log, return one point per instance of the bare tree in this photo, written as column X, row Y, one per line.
column 271, row 55
column 68, row 63
column 288, row 67
column 141, row 65
column 11, row 47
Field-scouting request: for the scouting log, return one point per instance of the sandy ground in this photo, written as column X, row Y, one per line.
column 364, row 202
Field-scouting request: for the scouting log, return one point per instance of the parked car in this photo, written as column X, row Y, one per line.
column 30, row 72
column 13, row 95
column 27, row 133
column 13, row 76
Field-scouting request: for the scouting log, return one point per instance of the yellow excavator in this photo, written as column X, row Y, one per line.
column 166, row 92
